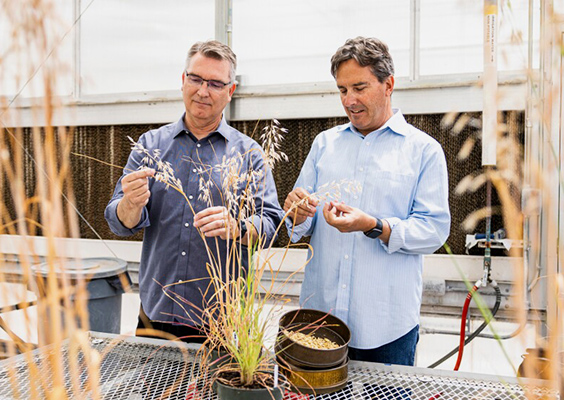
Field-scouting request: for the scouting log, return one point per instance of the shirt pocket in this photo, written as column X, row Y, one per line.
column 389, row 194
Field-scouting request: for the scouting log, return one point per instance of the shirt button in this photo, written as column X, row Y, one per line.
column 190, row 197
column 356, row 197
column 368, row 144
column 186, row 224
column 344, row 286
column 346, row 257
column 194, row 170
column 183, row 253
column 361, row 169
column 198, row 145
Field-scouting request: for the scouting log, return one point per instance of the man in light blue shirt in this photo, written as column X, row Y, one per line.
column 368, row 247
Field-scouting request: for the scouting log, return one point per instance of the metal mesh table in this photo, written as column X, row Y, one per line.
column 139, row 368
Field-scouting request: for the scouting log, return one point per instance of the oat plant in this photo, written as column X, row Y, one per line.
column 37, row 200
column 243, row 292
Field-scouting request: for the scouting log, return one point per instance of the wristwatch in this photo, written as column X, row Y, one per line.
column 376, row 231
column 243, row 230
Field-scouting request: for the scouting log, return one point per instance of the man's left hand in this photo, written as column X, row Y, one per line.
column 216, row 221
column 346, row 218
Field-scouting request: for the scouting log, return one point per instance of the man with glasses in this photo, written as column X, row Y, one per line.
column 173, row 250
column 368, row 249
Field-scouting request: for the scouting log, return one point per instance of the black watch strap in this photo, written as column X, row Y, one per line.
column 243, row 230
column 376, row 231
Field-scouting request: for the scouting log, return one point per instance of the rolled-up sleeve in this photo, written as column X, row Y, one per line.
column 115, row 224
column 428, row 224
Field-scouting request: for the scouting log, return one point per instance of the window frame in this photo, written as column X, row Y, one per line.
column 414, row 94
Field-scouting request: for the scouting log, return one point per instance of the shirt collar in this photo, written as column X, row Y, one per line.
column 396, row 123
column 223, row 129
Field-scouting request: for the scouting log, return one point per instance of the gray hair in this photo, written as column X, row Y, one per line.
column 216, row 50
column 367, row 52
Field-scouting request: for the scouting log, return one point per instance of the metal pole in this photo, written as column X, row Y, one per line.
column 223, row 21
column 489, row 115
column 414, row 53
column 223, row 33
column 77, row 4
column 489, row 118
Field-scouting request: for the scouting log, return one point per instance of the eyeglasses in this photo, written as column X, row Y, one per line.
column 213, row 84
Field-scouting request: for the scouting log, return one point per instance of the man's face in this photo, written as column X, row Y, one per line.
column 204, row 105
column 367, row 102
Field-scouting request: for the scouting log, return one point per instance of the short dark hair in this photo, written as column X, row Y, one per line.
column 216, row 50
column 367, row 52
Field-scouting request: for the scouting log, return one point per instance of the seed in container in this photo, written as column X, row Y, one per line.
column 311, row 341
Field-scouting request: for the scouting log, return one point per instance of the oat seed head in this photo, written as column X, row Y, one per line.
column 164, row 171
column 271, row 138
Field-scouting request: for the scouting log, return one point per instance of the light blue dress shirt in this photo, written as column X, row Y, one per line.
column 173, row 251
column 375, row 288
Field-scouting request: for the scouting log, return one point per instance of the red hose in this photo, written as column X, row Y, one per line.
column 463, row 326
column 462, row 332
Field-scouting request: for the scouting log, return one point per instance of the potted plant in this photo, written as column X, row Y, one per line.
column 236, row 315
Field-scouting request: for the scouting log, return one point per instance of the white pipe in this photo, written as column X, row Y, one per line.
column 489, row 115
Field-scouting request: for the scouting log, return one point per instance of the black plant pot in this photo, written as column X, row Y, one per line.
column 225, row 392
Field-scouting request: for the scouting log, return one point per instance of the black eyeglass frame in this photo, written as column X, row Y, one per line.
column 212, row 83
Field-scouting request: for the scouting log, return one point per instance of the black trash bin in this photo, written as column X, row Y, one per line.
column 104, row 278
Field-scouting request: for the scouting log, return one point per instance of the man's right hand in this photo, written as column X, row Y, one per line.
column 136, row 195
column 302, row 205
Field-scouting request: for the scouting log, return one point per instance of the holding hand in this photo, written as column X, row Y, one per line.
column 135, row 187
column 216, row 221
column 302, row 205
column 136, row 195
column 346, row 218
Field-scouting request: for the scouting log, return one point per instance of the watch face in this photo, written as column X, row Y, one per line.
column 376, row 231
column 243, row 230
column 373, row 233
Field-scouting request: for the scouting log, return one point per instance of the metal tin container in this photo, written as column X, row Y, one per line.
column 300, row 355
column 324, row 326
column 316, row 381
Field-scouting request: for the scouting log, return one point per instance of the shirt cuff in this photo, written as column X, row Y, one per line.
column 392, row 222
column 117, row 226
column 296, row 232
column 255, row 220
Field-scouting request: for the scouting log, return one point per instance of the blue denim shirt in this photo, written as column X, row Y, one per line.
column 373, row 287
column 173, row 251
